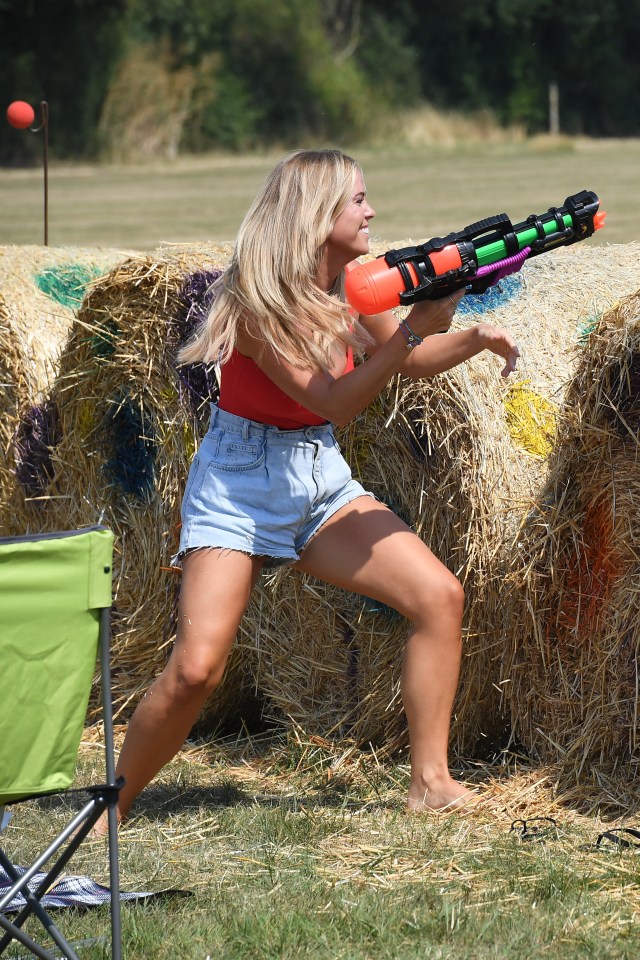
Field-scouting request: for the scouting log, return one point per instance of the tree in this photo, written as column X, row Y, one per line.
column 63, row 53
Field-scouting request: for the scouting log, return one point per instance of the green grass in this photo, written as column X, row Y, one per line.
column 299, row 851
column 418, row 192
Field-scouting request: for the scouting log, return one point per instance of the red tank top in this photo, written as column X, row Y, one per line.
column 248, row 392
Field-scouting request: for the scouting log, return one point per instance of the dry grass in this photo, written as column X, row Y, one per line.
column 421, row 191
column 456, row 458
column 41, row 289
column 320, row 831
column 449, row 459
column 574, row 669
column 295, row 848
column 425, row 126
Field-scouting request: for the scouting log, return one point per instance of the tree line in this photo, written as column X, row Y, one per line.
column 135, row 78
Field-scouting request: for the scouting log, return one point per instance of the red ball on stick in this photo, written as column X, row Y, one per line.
column 20, row 114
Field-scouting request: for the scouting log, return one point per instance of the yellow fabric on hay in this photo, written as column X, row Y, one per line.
column 531, row 419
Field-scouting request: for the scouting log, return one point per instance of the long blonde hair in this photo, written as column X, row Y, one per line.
column 271, row 282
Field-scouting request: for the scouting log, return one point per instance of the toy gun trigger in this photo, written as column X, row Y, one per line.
column 480, row 286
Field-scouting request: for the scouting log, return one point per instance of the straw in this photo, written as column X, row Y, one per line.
column 41, row 289
column 460, row 459
column 128, row 430
column 575, row 592
column 463, row 459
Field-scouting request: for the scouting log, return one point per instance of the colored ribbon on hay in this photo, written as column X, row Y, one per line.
column 496, row 296
column 36, row 436
column 103, row 340
column 132, row 466
column 531, row 419
column 590, row 574
column 195, row 299
column 66, row 284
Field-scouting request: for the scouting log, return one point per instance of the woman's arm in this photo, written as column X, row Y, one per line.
column 333, row 395
column 340, row 397
column 440, row 353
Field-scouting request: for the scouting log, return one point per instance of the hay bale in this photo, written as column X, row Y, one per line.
column 460, row 458
column 41, row 289
column 324, row 660
column 129, row 421
column 573, row 666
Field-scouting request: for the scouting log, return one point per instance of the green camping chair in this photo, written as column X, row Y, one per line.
column 55, row 607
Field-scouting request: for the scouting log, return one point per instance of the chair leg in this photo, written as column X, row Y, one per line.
column 107, row 714
column 78, row 829
column 114, row 883
column 14, row 931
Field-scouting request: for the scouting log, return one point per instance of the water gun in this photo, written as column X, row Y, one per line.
column 474, row 258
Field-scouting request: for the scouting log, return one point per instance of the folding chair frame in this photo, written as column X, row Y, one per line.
column 103, row 797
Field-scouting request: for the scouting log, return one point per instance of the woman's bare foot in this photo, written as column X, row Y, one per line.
column 442, row 795
column 100, row 828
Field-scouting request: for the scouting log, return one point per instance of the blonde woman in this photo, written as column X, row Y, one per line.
column 269, row 486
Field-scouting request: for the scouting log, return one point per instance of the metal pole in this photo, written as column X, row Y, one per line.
column 44, row 108
column 107, row 716
column 44, row 126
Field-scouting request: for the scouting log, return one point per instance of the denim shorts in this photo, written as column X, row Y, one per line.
column 262, row 490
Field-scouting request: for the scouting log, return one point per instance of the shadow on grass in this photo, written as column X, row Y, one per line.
column 160, row 800
column 167, row 799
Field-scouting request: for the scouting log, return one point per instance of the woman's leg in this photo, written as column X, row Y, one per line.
column 214, row 592
column 365, row 548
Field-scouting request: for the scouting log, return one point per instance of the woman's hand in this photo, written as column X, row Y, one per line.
column 500, row 342
column 434, row 316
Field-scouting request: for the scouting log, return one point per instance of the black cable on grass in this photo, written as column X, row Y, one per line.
column 196, row 296
column 36, row 436
column 134, row 447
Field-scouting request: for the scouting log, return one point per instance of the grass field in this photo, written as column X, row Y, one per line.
column 418, row 192
column 294, row 851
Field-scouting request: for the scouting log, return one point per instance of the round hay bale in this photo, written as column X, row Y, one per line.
column 41, row 289
column 459, row 458
column 129, row 421
column 573, row 665
column 325, row 660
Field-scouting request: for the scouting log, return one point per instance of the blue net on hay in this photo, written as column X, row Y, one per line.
column 66, row 284
column 131, row 466
column 103, row 341
column 36, row 436
column 496, row 296
column 197, row 381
